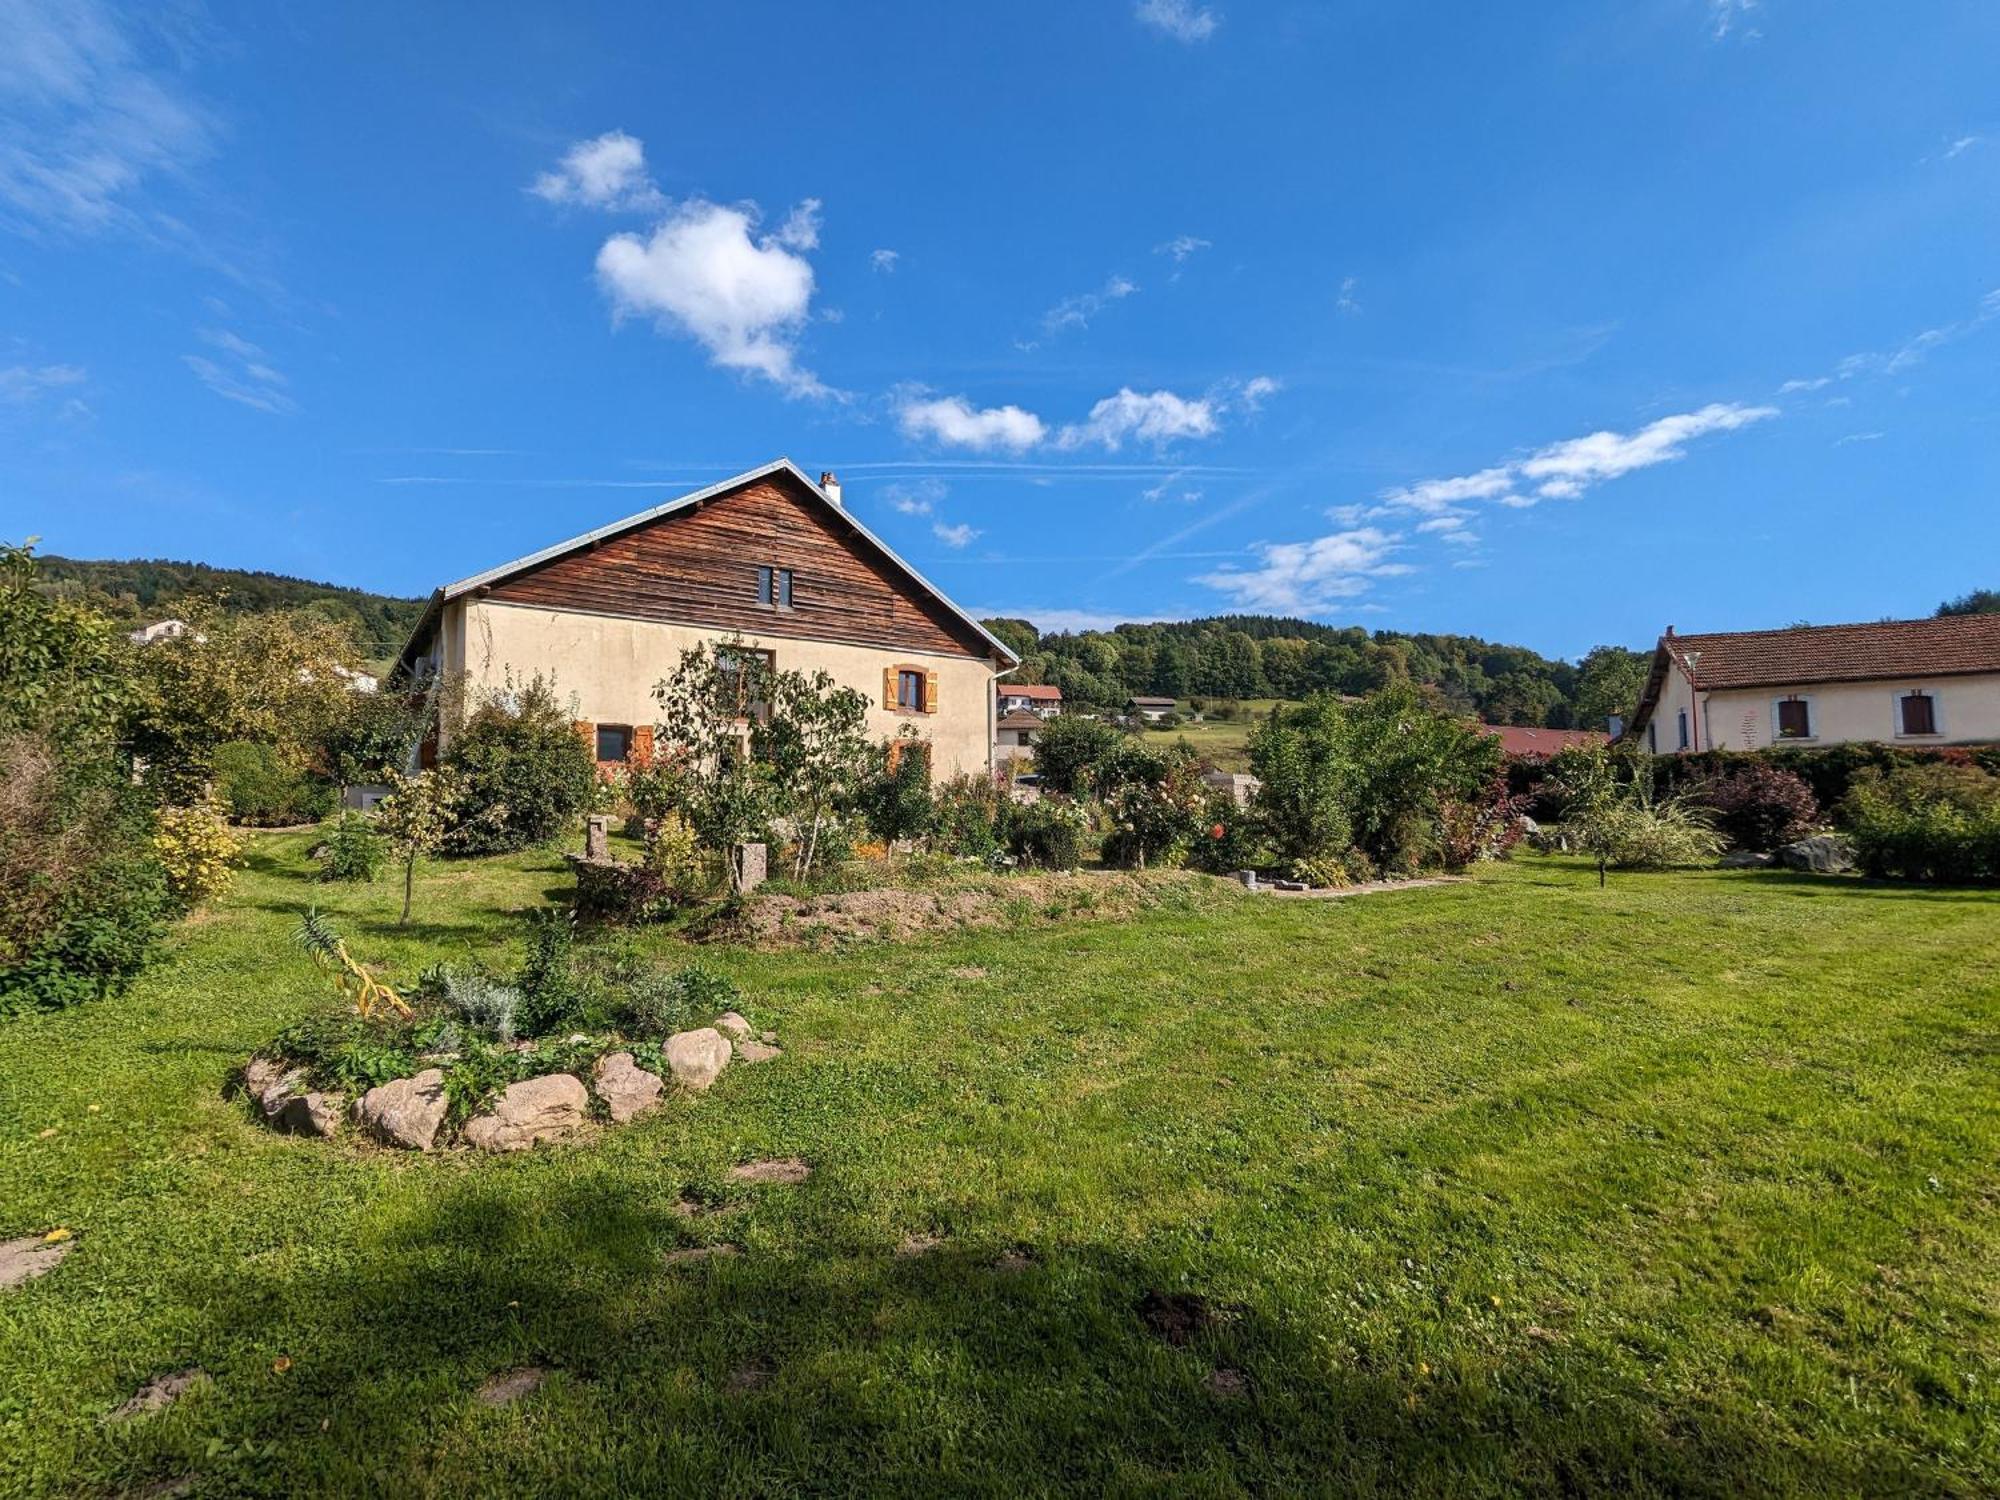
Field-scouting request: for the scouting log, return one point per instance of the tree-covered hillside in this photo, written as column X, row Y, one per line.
column 1260, row 656
column 143, row 590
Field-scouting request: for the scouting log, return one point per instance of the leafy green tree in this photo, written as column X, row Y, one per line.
column 814, row 739
column 1608, row 682
column 1069, row 749
column 416, row 818
column 1975, row 602
column 524, row 774
column 727, row 794
column 1611, row 812
column 1019, row 636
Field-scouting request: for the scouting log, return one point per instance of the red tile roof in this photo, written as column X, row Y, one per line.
column 1019, row 718
column 1040, row 692
column 1515, row 740
column 1955, row 644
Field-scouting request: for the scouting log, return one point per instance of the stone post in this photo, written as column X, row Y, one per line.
column 752, row 865
column 597, row 836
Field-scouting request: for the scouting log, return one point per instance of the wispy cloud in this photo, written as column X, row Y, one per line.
column 1347, row 302
column 88, row 116
column 1077, row 311
column 1858, row 437
column 957, row 537
column 917, row 497
column 1182, row 20
column 1963, row 144
column 884, row 260
column 1729, row 16
column 22, row 385
column 1905, row 356
column 1181, row 246
column 245, row 376
column 1306, row 577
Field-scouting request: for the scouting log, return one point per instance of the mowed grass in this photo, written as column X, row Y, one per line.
column 1684, row 1186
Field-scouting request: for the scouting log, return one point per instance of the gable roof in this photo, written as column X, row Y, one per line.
column 784, row 466
column 1020, row 718
column 1949, row 646
column 1518, row 740
column 1042, row 692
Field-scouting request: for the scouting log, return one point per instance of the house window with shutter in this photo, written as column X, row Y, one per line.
column 774, row 587
column 614, row 744
column 1794, row 719
column 909, row 690
column 1684, row 729
column 1917, row 713
column 746, row 672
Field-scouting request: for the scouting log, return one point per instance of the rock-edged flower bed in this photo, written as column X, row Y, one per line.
column 507, row 1098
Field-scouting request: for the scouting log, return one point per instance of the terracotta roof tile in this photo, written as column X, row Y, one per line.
column 1039, row 691
column 1952, row 645
column 1515, row 740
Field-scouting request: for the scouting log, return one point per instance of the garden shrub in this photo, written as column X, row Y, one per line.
column 1612, row 812
column 1228, row 840
column 896, row 801
column 353, row 851
column 484, row 1003
column 1156, row 801
column 197, row 851
column 1069, row 749
column 552, row 998
column 1486, row 825
column 523, row 773
column 1048, row 834
column 255, row 784
column 1937, row 823
column 1760, row 806
column 660, row 1003
column 966, row 816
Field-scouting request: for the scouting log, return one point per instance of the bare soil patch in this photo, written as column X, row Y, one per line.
column 786, row 1171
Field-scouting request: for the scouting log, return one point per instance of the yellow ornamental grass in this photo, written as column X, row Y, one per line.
column 198, row 851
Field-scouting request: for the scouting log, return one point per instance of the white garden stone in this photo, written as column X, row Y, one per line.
column 627, row 1089
column 697, row 1058
column 404, row 1113
column 536, row 1109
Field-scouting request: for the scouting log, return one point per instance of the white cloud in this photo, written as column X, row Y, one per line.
column 1813, row 384
column 1181, row 246
column 1858, row 437
column 1077, row 311
column 954, row 536
column 86, row 117
column 1171, row 488
column 1453, row 521
column 884, row 260
column 1724, row 16
column 1157, row 417
column 1303, row 577
column 800, row 231
column 1259, row 389
column 700, row 272
column 1180, row 19
column 1963, row 143
column 608, row 172
column 1564, row 470
column 247, row 377
column 955, row 422
column 1072, row 621
column 917, row 498
column 21, row 384
column 1348, row 303
column 1432, row 496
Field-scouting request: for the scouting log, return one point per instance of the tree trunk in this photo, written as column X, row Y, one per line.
column 1600, row 872
column 409, row 881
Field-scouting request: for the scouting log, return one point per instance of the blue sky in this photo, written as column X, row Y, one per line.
column 1554, row 324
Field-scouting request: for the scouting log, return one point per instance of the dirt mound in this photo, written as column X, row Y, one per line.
column 772, row 920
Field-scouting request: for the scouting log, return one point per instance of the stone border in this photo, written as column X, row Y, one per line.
column 409, row 1113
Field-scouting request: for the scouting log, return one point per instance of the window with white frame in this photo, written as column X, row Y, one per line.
column 1917, row 713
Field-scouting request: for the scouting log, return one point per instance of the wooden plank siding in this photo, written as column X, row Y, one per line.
column 699, row 567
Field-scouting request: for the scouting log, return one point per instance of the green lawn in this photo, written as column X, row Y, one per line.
column 1687, row 1185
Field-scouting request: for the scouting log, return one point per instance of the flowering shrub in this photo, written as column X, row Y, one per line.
column 1486, row 826
column 1761, row 806
column 197, row 850
column 1228, row 841
column 1048, row 834
column 1158, row 807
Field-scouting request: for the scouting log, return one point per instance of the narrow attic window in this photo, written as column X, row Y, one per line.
column 774, row 587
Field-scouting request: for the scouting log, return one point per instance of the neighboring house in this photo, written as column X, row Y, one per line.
column 1149, row 709
column 159, row 630
column 1899, row 682
column 768, row 557
column 1032, row 697
column 1516, row 740
column 1014, row 734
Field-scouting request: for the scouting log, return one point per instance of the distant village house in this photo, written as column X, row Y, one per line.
column 1031, row 697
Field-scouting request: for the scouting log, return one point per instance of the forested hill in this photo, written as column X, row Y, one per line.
column 144, row 590
column 1265, row 656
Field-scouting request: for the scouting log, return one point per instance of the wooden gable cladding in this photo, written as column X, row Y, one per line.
column 699, row 567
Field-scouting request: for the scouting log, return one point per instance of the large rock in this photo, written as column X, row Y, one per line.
column 406, row 1112
column 1745, row 859
column 733, row 1025
column 627, row 1089
column 697, row 1058
column 751, row 1050
column 537, row 1109
column 308, row 1114
column 1823, row 854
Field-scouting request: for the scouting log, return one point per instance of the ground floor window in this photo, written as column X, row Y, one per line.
column 614, row 743
column 1794, row 719
column 1919, row 713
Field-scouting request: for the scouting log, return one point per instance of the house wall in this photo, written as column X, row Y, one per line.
column 1968, row 710
column 607, row 666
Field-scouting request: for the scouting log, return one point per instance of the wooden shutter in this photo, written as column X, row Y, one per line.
column 642, row 744
column 587, row 732
column 889, row 688
column 930, row 692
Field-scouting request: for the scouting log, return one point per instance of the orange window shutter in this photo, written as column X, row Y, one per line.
column 889, row 688
column 930, row 692
column 895, row 754
column 642, row 744
column 587, row 732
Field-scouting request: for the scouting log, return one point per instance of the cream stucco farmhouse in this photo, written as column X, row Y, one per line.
column 768, row 561
column 1900, row 682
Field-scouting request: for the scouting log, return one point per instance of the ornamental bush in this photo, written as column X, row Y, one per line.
column 966, row 816
column 197, row 851
column 1929, row 823
column 255, row 784
column 1760, row 806
column 1049, row 834
column 523, row 773
column 1069, row 749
